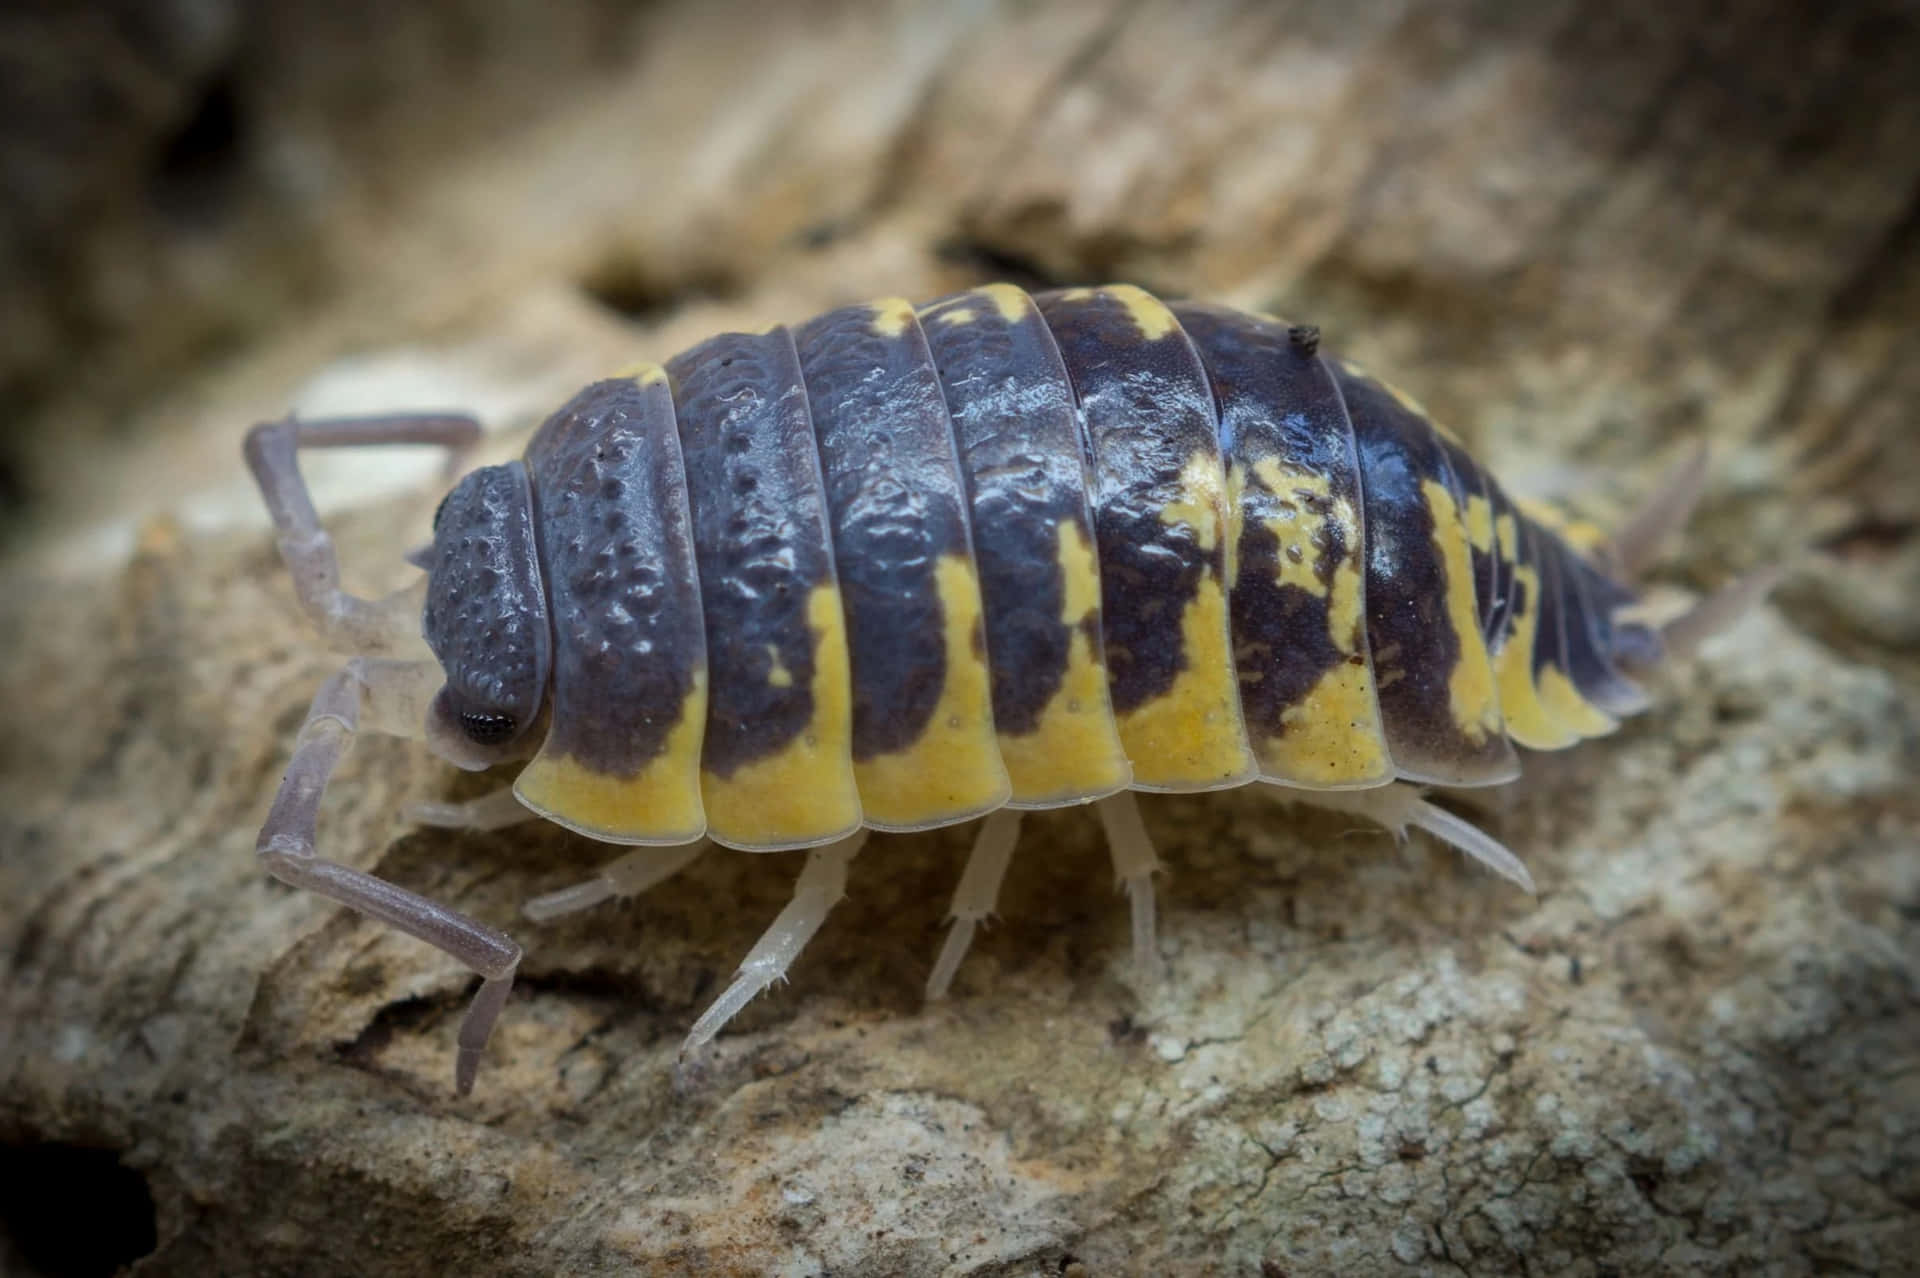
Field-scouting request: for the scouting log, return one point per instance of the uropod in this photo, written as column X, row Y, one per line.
column 896, row 568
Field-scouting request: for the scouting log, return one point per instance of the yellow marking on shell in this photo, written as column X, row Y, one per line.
column 659, row 804
column 1074, row 752
column 1506, row 540
column 892, row 316
column 805, row 792
column 1076, row 294
column 1148, row 313
column 1332, row 737
column 1564, row 702
column 1472, row 694
column 644, row 373
column 1480, row 523
column 1527, row 720
column 1192, row 736
column 1583, row 535
column 1010, row 300
column 1300, row 533
column 1406, row 400
column 1236, row 520
column 957, row 316
column 778, row 676
column 953, row 771
column 1202, row 503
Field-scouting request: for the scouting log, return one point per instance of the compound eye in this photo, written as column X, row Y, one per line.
column 487, row 728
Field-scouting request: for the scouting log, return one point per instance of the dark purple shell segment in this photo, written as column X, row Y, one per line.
column 1510, row 599
column 1148, row 414
column 760, row 529
column 1472, row 490
column 1019, row 438
column 486, row 611
column 1587, row 601
column 1411, row 631
column 616, row 541
column 1280, row 415
column 898, row 505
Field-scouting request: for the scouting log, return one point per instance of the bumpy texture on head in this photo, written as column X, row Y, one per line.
column 486, row 615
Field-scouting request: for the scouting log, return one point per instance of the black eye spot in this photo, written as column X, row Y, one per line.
column 487, row 728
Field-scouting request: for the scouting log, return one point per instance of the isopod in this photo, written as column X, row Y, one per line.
column 898, row 568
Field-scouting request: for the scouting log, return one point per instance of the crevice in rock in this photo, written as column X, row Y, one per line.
column 44, row 1185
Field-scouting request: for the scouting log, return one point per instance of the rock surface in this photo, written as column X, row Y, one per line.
column 1586, row 234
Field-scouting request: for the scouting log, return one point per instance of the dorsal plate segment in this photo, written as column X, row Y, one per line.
column 622, row 754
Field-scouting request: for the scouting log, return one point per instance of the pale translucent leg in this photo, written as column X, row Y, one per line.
column 387, row 693
column 974, row 899
column 1399, row 805
column 494, row 811
column 1134, row 864
column 348, row 623
column 1664, row 513
column 628, row 875
column 822, row 883
column 1682, row 637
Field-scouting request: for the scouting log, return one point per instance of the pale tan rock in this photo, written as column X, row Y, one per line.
column 1585, row 238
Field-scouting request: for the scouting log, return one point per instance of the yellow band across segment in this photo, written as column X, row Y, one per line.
column 1148, row 313
column 805, row 793
column 1074, row 753
column 1332, row 737
column 1583, row 535
column 1472, row 695
column 954, row 770
column 1564, row 702
column 1527, row 720
column 892, row 316
column 1480, row 523
column 1192, row 736
column 659, row 804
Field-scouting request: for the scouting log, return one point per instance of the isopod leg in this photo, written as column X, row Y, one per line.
column 1664, row 513
column 287, row 850
column 974, row 899
column 1682, row 637
column 628, row 875
column 494, row 811
column 348, row 622
column 1399, row 805
column 1134, row 864
column 822, row 882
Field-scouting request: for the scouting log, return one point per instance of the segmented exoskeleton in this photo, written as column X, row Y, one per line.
column 897, row 568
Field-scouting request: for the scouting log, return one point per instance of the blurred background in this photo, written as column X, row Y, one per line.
column 1578, row 231
column 1586, row 233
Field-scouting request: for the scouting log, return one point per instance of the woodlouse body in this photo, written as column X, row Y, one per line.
column 897, row 568
column 904, row 569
